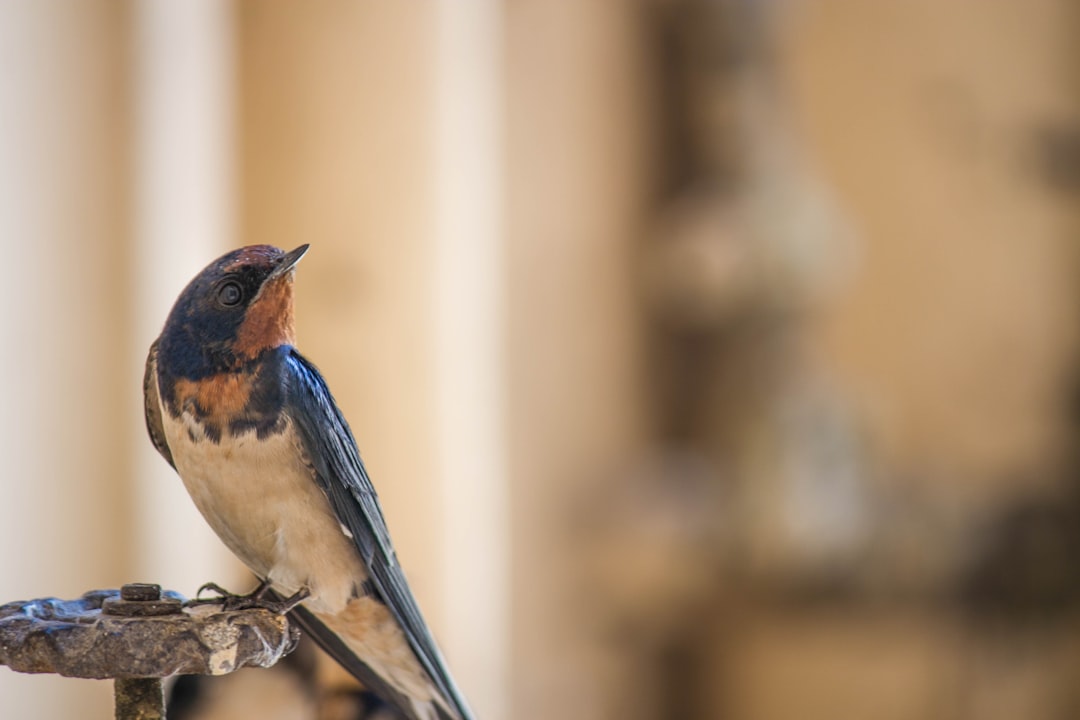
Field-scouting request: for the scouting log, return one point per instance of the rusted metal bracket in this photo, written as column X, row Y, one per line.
column 137, row 636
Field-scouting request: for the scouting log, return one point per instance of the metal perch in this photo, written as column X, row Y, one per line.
column 137, row 636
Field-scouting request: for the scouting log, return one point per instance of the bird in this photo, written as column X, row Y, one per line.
column 262, row 448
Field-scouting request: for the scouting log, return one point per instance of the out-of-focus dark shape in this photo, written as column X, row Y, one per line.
column 1057, row 157
column 1023, row 569
column 1026, row 567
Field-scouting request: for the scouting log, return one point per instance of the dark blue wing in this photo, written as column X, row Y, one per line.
column 340, row 472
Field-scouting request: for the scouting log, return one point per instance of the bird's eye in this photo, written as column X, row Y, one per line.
column 230, row 294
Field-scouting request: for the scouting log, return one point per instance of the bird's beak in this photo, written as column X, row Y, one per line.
column 288, row 262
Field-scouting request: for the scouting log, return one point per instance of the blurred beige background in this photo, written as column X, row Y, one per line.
column 712, row 358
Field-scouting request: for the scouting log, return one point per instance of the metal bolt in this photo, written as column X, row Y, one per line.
column 140, row 592
column 141, row 600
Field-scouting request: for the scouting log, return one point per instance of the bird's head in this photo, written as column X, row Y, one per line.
column 235, row 309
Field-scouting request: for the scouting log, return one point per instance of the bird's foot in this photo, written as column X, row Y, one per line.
column 253, row 600
column 229, row 600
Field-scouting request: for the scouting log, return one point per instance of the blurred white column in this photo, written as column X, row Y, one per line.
column 468, row 296
column 63, row 436
column 184, row 211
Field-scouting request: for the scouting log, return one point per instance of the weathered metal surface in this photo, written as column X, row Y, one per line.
column 77, row 638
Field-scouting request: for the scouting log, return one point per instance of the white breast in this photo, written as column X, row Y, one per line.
column 262, row 501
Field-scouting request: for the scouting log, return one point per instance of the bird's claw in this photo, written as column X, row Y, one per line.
column 222, row 592
column 254, row 600
column 229, row 600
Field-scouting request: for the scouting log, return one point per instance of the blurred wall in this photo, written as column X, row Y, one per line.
column 575, row 183
column 958, row 330
column 864, row 363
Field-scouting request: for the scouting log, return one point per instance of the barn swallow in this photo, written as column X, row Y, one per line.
column 260, row 444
